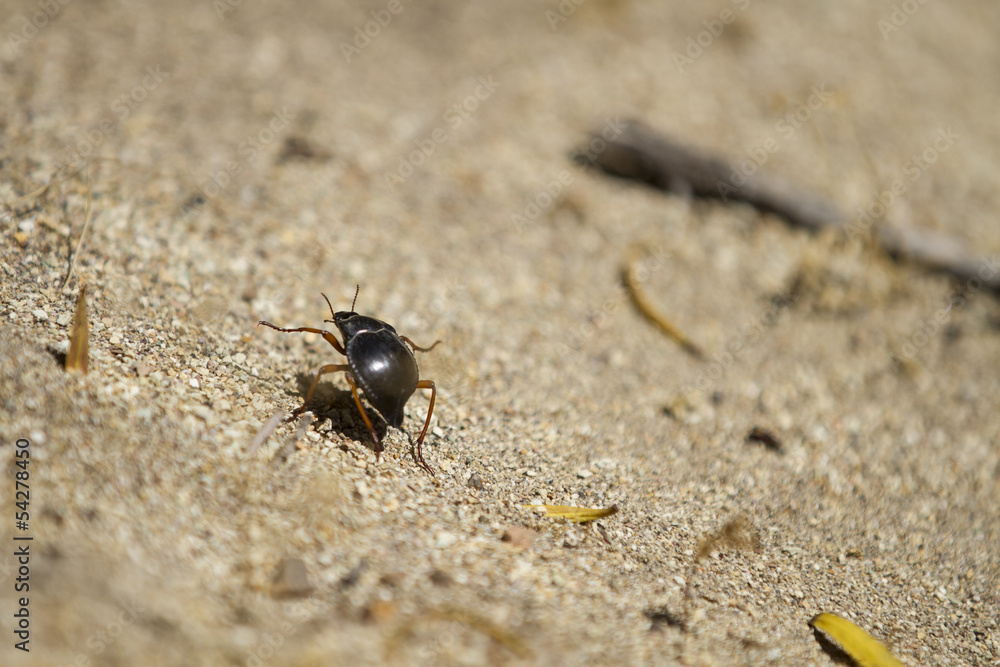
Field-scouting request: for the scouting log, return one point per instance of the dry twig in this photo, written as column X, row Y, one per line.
column 640, row 154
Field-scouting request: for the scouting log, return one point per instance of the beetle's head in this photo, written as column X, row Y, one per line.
column 351, row 324
column 347, row 321
column 342, row 316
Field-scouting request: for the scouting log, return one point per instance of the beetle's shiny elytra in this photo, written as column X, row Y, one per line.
column 380, row 362
column 378, row 359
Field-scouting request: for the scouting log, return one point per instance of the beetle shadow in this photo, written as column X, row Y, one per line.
column 836, row 653
column 336, row 405
column 58, row 355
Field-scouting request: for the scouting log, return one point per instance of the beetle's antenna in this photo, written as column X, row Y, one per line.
column 356, row 290
column 331, row 308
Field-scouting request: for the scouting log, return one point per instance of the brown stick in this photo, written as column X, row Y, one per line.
column 640, row 154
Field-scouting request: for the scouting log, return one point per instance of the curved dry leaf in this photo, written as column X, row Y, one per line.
column 860, row 646
column 577, row 514
column 642, row 301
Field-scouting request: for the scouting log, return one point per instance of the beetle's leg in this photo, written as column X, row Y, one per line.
column 329, row 368
column 426, row 384
column 417, row 347
column 327, row 336
column 364, row 415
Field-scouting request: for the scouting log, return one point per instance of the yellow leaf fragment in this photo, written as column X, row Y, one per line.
column 862, row 648
column 79, row 337
column 577, row 514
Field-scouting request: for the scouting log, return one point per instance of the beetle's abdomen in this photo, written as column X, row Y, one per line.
column 386, row 370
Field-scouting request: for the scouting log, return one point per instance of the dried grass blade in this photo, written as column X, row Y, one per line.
column 646, row 307
column 578, row 514
column 78, row 358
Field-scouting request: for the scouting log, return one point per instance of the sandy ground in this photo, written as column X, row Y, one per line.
column 238, row 159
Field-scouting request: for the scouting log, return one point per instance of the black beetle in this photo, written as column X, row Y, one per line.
column 379, row 360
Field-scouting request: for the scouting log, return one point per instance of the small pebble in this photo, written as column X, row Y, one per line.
column 519, row 536
column 440, row 578
column 291, row 579
column 475, row 481
column 380, row 611
column 571, row 539
column 40, row 315
column 444, row 539
column 394, row 579
column 583, row 474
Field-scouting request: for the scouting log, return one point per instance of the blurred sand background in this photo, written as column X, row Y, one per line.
column 239, row 159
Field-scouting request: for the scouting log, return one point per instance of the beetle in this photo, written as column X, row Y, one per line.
column 381, row 361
